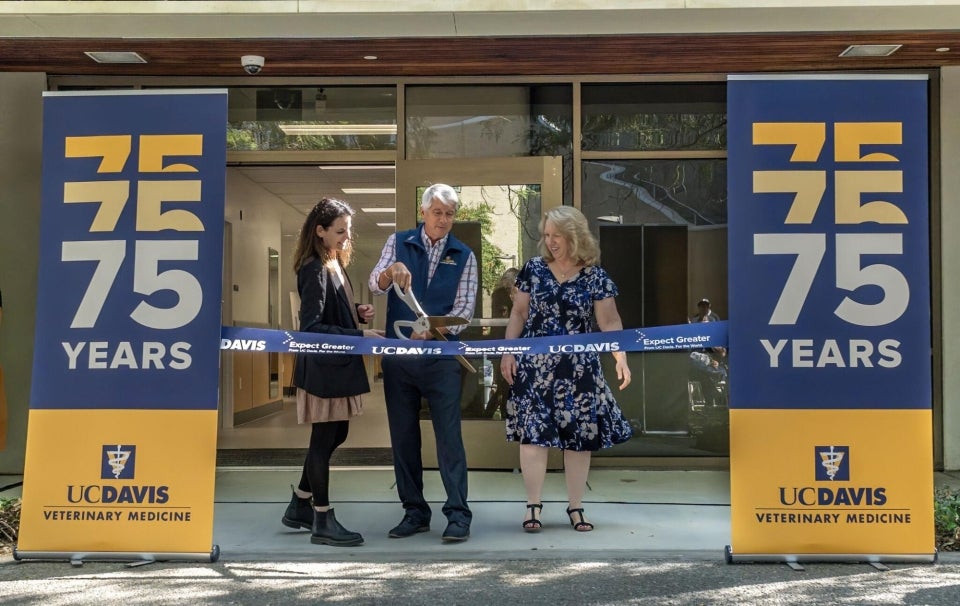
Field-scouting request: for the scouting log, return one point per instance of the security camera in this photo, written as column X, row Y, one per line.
column 252, row 64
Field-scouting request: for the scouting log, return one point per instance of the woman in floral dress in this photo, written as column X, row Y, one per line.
column 562, row 400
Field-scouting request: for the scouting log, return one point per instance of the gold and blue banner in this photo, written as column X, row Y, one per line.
column 121, row 440
column 830, row 438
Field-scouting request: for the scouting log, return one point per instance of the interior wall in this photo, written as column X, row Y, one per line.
column 950, row 261
column 288, row 281
column 253, row 213
column 358, row 271
column 20, row 142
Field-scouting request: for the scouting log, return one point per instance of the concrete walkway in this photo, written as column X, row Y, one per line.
column 650, row 511
column 659, row 540
column 636, row 513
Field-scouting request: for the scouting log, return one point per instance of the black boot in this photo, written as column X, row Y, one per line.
column 328, row 531
column 299, row 513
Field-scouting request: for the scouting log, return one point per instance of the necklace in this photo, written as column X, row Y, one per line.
column 564, row 273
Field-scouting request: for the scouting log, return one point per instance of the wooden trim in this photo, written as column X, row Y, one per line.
column 627, row 55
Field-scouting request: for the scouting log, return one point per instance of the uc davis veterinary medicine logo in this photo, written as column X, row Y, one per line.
column 118, row 462
column 832, row 463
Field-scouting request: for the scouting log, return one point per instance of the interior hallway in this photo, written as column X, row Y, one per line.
column 280, row 430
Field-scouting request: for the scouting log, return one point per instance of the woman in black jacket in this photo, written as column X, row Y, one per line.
column 329, row 386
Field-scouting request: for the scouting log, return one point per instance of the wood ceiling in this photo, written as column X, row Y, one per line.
column 486, row 56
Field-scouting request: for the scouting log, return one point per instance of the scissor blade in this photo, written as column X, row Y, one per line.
column 463, row 361
column 439, row 321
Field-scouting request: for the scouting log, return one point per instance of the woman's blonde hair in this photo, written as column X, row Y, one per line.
column 309, row 244
column 573, row 226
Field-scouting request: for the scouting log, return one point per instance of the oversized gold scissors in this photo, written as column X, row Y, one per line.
column 425, row 323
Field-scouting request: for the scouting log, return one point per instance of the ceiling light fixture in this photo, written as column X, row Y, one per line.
column 870, row 50
column 368, row 190
column 370, row 57
column 378, row 209
column 115, row 56
column 386, row 224
column 337, row 130
column 943, row 49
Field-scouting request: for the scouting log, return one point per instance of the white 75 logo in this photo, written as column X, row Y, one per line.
column 850, row 275
column 147, row 279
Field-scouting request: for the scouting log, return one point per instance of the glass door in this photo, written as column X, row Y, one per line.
column 501, row 203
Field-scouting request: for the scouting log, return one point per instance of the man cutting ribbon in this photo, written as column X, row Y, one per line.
column 440, row 272
column 427, row 324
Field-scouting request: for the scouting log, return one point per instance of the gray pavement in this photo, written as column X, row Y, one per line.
column 676, row 579
column 659, row 540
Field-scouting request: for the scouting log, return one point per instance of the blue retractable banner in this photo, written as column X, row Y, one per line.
column 121, row 441
column 128, row 304
column 829, row 258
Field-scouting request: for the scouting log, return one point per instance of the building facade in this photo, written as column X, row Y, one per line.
column 619, row 110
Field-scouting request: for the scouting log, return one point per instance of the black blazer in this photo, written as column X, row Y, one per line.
column 325, row 307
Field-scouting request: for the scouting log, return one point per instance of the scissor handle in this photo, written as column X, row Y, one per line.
column 409, row 299
column 418, row 325
column 422, row 325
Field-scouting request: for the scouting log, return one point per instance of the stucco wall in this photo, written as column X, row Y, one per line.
column 20, row 131
column 950, row 252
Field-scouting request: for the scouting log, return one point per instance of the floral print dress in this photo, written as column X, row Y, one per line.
column 563, row 400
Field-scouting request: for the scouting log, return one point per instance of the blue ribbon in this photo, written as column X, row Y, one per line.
column 653, row 338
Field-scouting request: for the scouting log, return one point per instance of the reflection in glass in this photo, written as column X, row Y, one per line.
column 654, row 116
column 682, row 410
column 312, row 118
column 493, row 121
column 692, row 192
column 670, row 216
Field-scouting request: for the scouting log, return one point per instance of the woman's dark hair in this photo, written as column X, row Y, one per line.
column 309, row 244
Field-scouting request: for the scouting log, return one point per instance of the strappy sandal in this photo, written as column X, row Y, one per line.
column 533, row 524
column 582, row 525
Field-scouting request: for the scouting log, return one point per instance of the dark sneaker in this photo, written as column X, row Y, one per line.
column 299, row 513
column 408, row 527
column 456, row 532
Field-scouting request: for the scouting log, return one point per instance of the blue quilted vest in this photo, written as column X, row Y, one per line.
column 437, row 298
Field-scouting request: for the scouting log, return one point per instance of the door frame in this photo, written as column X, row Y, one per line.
column 483, row 438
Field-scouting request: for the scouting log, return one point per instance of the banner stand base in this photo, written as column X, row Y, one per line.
column 136, row 559
column 827, row 558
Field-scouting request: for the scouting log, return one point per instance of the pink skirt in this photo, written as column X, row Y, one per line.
column 314, row 409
